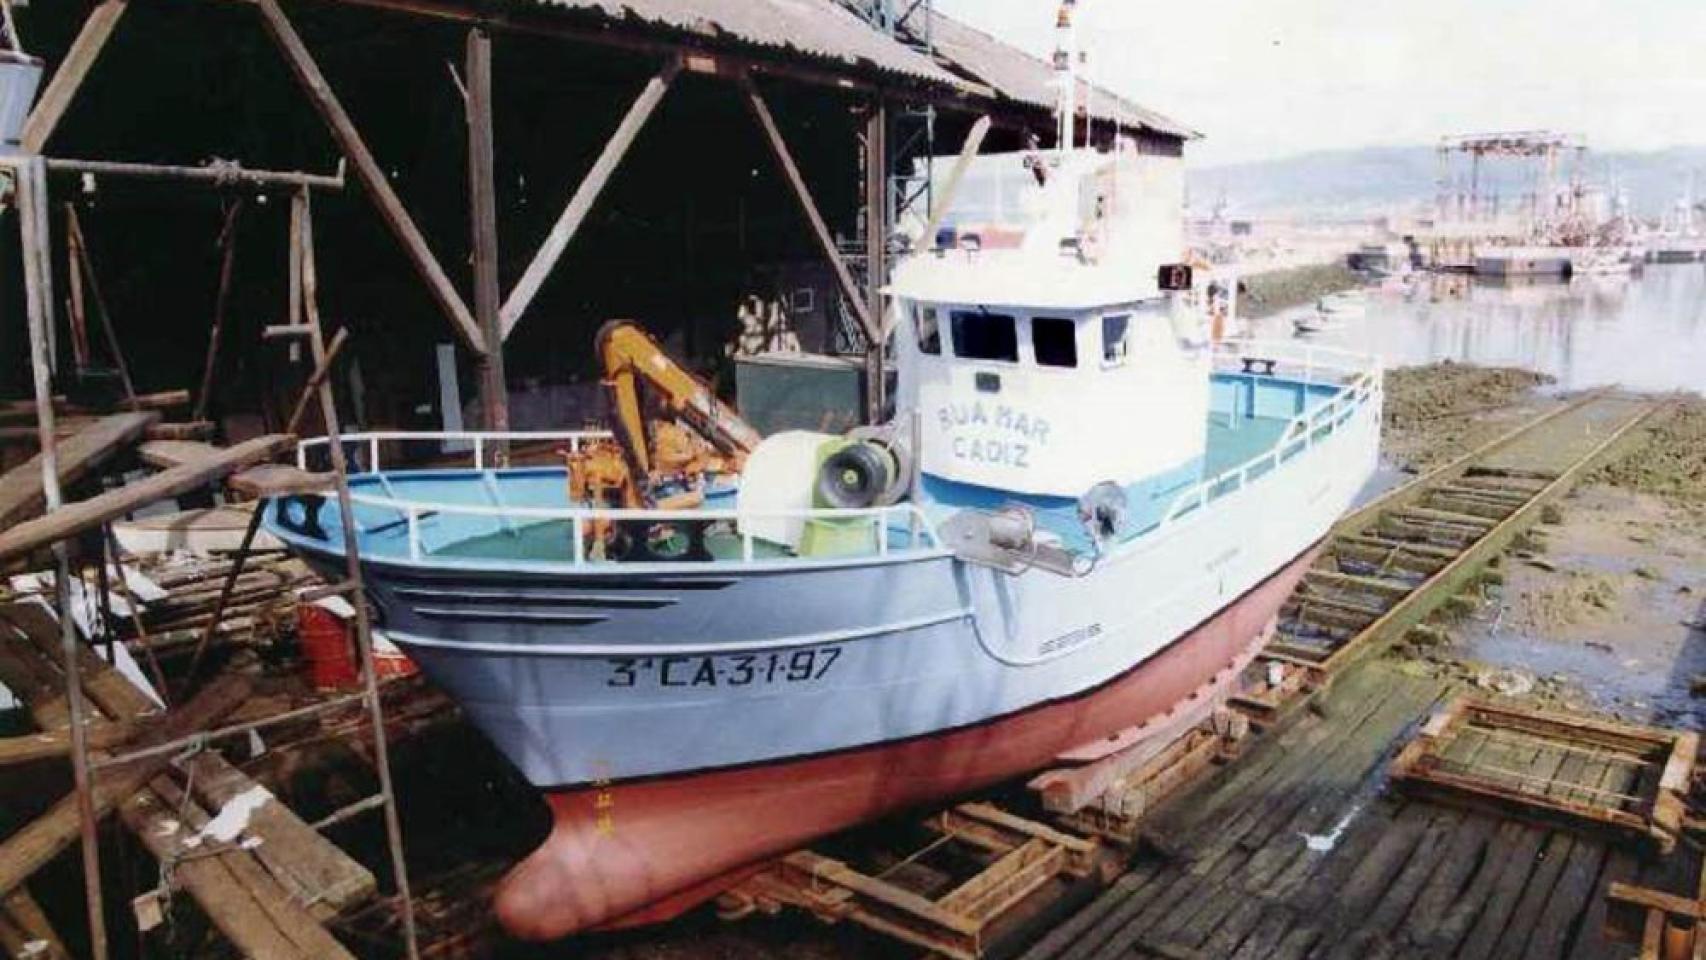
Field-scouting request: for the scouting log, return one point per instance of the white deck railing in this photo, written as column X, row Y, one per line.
column 477, row 441
column 1356, row 375
column 883, row 519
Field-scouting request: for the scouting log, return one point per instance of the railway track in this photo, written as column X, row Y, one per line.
column 1402, row 558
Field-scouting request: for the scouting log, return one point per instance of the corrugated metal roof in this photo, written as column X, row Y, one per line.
column 1017, row 75
column 820, row 29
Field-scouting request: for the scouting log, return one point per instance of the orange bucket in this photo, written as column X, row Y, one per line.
column 327, row 647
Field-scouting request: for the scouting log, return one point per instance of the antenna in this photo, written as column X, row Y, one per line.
column 1066, row 74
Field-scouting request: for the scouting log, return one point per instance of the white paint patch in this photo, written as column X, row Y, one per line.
column 1322, row 843
column 233, row 817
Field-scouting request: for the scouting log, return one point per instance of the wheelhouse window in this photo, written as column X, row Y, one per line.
column 1116, row 338
column 929, row 330
column 985, row 336
column 1054, row 340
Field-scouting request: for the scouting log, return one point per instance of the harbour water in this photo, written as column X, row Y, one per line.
column 1646, row 332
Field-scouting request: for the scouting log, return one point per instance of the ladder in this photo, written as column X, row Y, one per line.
column 352, row 588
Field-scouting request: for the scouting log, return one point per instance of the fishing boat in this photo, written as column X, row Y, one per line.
column 708, row 653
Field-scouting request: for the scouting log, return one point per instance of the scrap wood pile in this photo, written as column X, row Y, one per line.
column 161, row 606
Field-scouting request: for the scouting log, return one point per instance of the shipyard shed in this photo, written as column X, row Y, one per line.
column 630, row 176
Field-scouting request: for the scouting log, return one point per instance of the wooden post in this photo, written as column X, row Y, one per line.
column 575, row 213
column 876, row 255
column 74, row 226
column 293, row 296
column 483, row 210
column 373, row 179
column 31, row 192
column 74, row 302
column 68, row 79
column 791, row 171
column 227, row 259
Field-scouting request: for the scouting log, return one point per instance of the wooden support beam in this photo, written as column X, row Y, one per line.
column 876, row 255
column 62, row 87
column 808, row 206
column 74, row 518
column 373, row 179
column 225, row 174
column 483, row 214
column 587, row 194
column 76, row 457
column 76, row 314
column 322, row 370
column 221, row 299
column 80, row 245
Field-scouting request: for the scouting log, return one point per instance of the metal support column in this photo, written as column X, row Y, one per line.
column 31, row 192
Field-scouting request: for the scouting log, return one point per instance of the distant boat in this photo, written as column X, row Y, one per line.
column 1318, row 322
column 1348, row 303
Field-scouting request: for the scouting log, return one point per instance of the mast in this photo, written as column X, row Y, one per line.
column 1066, row 75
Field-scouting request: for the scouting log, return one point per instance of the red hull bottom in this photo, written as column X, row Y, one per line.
column 633, row 853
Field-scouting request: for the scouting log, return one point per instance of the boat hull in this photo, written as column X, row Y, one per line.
column 626, row 853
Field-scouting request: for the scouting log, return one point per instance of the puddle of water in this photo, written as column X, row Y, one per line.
column 1325, row 842
column 1646, row 332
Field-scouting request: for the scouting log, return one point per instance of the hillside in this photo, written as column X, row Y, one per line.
column 1385, row 179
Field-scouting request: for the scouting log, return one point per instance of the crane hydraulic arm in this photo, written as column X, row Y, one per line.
column 629, row 355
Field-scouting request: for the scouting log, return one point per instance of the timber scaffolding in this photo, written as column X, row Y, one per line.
column 268, row 881
column 1500, row 830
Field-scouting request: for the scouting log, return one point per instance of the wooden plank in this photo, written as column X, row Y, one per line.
column 586, row 195
column 303, row 870
column 23, row 916
column 62, row 87
column 193, row 430
column 277, row 480
column 77, row 456
column 165, row 454
column 808, row 206
column 820, row 869
column 87, row 514
column 373, row 179
column 248, row 921
column 1592, row 942
column 39, row 841
column 308, row 866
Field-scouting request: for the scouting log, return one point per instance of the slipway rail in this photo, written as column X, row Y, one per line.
column 1398, row 560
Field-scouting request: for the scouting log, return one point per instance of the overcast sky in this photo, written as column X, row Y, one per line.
column 1265, row 78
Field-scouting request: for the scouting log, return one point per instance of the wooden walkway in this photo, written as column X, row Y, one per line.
column 1298, row 850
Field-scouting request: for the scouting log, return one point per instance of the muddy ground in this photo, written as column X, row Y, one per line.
column 1604, row 606
column 1437, row 413
column 1265, row 294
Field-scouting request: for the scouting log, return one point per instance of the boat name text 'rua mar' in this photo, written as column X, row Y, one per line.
column 734, row 670
column 1017, row 432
